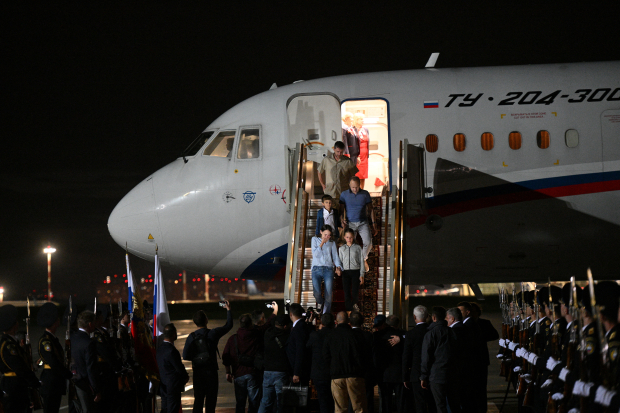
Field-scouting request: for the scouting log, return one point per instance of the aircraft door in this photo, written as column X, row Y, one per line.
column 314, row 121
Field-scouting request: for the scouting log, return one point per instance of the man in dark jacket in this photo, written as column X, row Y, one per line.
column 412, row 358
column 296, row 349
column 370, row 372
column 277, row 367
column 200, row 347
column 389, row 363
column 319, row 371
column 238, row 357
column 438, row 366
column 343, row 352
column 488, row 333
column 84, row 356
column 464, row 362
column 171, row 369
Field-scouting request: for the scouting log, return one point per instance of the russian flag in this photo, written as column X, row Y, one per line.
column 130, row 285
column 431, row 104
column 161, row 316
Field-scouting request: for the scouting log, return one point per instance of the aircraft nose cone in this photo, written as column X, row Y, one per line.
column 133, row 222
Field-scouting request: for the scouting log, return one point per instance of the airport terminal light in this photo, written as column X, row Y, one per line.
column 1, row 294
column 49, row 251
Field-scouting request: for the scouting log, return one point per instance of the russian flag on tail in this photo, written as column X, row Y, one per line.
column 160, row 306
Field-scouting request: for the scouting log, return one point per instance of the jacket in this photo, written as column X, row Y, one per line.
column 465, row 347
column 171, row 369
column 352, row 258
column 388, row 358
column 342, row 352
column 489, row 333
column 320, row 221
column 438, row 354
column 368, row 348
column 351, row 141
column 275, row 344
column 249, row 343
column 412, row 353
column 319, row 370
column 54, row 375
column 84, row 356
column 213, row 337
column 296, row 350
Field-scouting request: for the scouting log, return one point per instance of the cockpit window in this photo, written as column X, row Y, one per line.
column 249, row 144
column 195, row 146
column 221, row 145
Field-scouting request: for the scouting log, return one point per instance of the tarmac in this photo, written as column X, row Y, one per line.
column 496, row 388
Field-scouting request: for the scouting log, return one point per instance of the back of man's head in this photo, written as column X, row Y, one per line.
column 393, row 321
column 200, row 319
column 327, row 320
column 356, row 319
column 476, row 310
column 455, row 313
column 170, row 332
column 420, row 313
column 465, row 307
column 439, row 313
column 297, row 310
column 342, row 317
column 258, row 317
column 85, row 318
column 245, row 321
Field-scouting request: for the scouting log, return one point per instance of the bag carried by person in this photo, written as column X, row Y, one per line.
column 295, row 396
column 201, row 349
column 243, row 359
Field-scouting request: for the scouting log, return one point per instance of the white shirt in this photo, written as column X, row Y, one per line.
column 295, row 322
column 328, row 218
column 466, row 320
column 455, row 323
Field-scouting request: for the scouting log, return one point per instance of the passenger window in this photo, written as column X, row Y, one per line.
column 459, row 142
column 432, row 143
column 487, row 141
column 249, row 144
column 221, row 145
column 514, row 140
column 195, row 146
column 572, row 138
column 542, row 139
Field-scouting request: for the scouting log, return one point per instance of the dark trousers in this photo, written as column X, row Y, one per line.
column 351, row 286
column 324, row 394
column 481, row 390
column 370, row 394
column 386, row 390
column 422, row 398
column 87, row 400
column 173, row 402
column 206, row 385
column 51, row 402
column 15, row 398
column 444, row 394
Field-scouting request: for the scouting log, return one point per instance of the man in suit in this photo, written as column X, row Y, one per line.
column 84, row 354
column 319, row 371
column 412, row 358
column 17, row 375
column 370, row 372
column 465, row 345
column 296, row 349
column 108, row 359
column 55, row 375
column 389, row 362
column 488, row 333
column 171, row 369
column 478, row 353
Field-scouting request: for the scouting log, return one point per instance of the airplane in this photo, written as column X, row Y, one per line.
column 521, row 173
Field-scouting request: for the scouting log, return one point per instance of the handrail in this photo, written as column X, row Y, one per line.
column 386, row 224
column 292, row 253
column 304, row 231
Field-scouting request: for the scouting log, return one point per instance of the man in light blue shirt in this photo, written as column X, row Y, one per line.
column 356, row 207
column 324, row 258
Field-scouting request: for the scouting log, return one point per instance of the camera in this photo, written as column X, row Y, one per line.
column 269, row 305
column 222, row 303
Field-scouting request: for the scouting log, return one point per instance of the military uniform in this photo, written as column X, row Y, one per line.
column 14, row 366
column 613, row 355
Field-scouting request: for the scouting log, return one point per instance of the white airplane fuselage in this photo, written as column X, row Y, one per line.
column 228, row 216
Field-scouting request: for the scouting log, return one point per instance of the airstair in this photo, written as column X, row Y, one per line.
column 382, row 292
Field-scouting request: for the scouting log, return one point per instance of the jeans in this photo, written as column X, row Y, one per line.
column 246, row 387
column 325, row 274
column 363, row 229
column 273, row 381
column 351, row 286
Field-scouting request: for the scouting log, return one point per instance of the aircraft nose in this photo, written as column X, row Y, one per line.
column 133, row 222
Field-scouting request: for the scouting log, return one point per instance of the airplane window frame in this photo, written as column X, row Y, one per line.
column 516, row 132
column 426, row 142
column 215, row 135
column 464, row 141
column 539, row 139
column 238, row 142
column 201, row 149
column 482, row 141
column 566, row 138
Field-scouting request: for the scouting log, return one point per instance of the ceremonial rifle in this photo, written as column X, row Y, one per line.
column 111, row 317
column 555, row 350
column 504, row 365
column 524, row 341
column 583, row 362
column 33, row 394
column 529, row 399
column 71, row 393
column 573, row 310
column 603, row 346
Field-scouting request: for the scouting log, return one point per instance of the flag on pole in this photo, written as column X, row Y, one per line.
column 160, row 306
column 130, row 284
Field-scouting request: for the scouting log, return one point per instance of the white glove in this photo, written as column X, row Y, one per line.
column 574, row 410
column 546, row 384
column 532, row 359
column 517, row 369
column 527, row 378
column 565, row 372
column 604, row 396
column 521, row 351
column 512, row 345
column 499, row 356
column 582, row 388
column 525, row 354
column 502, row 342
column 557, row 396
column 551, row 363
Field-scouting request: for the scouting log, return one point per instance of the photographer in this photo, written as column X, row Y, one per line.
column 238, row 357
column 200, row 348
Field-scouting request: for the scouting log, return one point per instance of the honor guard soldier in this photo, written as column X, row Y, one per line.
column 55, row 375
column 14, row 365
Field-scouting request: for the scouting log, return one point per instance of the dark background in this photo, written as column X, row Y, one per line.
column 97, row 97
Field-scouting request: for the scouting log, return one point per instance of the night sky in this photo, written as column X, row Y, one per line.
column 97, row 98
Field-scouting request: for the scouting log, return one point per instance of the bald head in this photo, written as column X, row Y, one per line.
column 342, row 317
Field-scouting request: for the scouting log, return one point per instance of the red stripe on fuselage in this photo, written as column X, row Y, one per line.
column 513, row 198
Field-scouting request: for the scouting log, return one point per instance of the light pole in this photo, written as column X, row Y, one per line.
column 49, row 251
column 1, row 294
